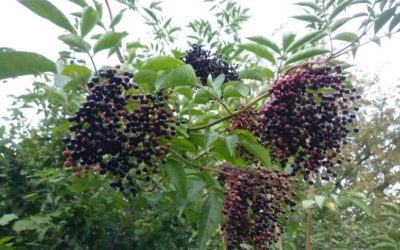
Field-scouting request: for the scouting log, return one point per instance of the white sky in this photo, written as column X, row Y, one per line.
column 22, row 30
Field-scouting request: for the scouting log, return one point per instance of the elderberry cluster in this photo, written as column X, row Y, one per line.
column 204, row 63
column 308, row 117
column 253, row 204
column 117, row 130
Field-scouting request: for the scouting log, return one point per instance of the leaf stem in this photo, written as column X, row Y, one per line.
column 237, row 112
column 192, row 164
column 119, row 53
column 216, row 98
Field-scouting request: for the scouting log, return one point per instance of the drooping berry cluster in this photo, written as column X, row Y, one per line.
column 204, row 63
column 253, row 204
column 307, row 119
column 117, row 129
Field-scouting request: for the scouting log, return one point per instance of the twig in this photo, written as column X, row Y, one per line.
column 203, row 153
column 192, row 164
column 216, row 98
column 119, row 53
column 237, row 112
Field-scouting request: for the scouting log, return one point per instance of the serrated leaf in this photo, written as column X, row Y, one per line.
column 257, row 150
column 117, row 19
column 339, row 8
column 258, row 50
column 308, row 18
column 181, row 76
column 303, row 40
column 18, row 63
column 178, row 177
column 89, row 20
column 266, row 42
column 75, row 43
column 395, row 21
column 48, row 11
column 108, row 40
column 287, row 39
column 7, row 218
column 383, row 18
column 319, row 199
column 346, row 36
column 308, row 203
column 306, row 54
column 162, row 63
column 210, row 217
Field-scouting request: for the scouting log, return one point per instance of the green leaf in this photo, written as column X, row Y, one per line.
column 178, row 177
column 117, row 19
column 339, row 8
column 162, row 63
column 218, row 81
column 308, row 18
column 339, row 23
column 25, row 224
column 383, row 18
column 257, row 150
column 319, row 199
column 108, row 40
column 346, row 36
column 311, row 5
column 210, row 217
column 4, row 240
column 182, row 144
column 384, row 246
column 231, row 141
column 258, row 50
column 395, row 21
column 308, row 203
column 361, row 204
column 210, row 137
column 256, row 73
column 48, row 11
column 235, row 88
column 75, row 43
column 79, row 75
column 303, row 40
column 185, row 91
column 89, row 20
column 266, row 42
column 287, row 39
column 7, row 218
column 146, row 79
column 306, row 54
column 81, row 3
column 18, row 63
column 182, row 76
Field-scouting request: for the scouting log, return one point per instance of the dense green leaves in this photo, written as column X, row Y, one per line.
column 210, row 217
column 47, row 10
column 18, row 63
column 108, row 40
column 89, row 20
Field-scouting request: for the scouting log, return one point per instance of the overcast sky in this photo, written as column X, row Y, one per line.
column 22, row 30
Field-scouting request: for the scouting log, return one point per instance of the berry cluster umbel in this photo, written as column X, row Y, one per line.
column 205, row 63
column 117, row 132
column 253, row 204
column 307, row 119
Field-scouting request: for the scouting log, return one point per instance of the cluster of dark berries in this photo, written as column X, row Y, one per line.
column 307, row 119
column 204, row 62
column 254, row 201
column 117, row 129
